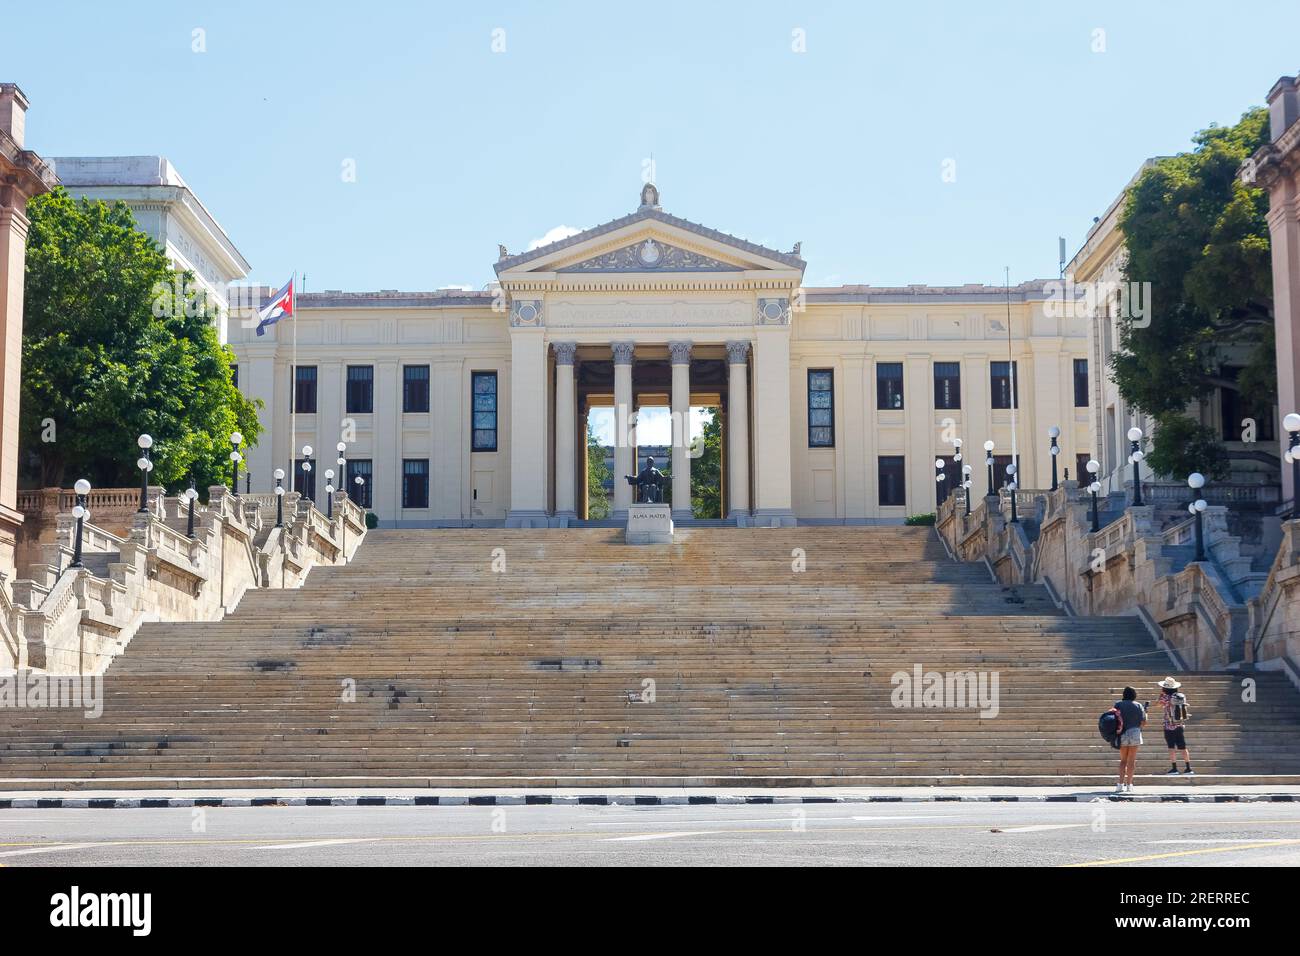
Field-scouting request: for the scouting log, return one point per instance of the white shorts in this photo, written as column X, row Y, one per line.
column 1131, row 737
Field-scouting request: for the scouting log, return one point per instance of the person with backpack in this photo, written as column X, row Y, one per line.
column 1176, row 713
column 1133, row 716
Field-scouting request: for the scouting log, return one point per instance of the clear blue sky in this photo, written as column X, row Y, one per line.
column 458, row 148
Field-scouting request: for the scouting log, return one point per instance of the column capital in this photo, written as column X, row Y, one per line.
column 680, row 351
column 737, row 352
column 565, row 352
column 623, row 352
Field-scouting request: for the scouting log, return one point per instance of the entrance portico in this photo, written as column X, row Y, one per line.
column 679, row 312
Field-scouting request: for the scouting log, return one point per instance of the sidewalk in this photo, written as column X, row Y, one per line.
column 676, row 796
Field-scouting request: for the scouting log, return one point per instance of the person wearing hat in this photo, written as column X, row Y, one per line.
column 1176, row 713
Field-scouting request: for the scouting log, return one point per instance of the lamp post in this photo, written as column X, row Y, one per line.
column 1011, row 488
column 939, row 478
column 236, row 439
column 1094, row 486
column 82, row 488
column 248, row 482
column 1054, row 433
column 988, row 462
column 1135, row 456
column 145, row 465
column 1292, row 424
column 306, row 473
column 1196, row 481
column 359, row 481
column 966, row 483
column 191, row 493
column 279, row 498
column 329, row 493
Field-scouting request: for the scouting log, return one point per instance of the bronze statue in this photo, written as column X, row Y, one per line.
column 649, row 483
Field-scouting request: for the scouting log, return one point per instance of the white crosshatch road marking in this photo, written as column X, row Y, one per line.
column 657, row 836
column 311, row 843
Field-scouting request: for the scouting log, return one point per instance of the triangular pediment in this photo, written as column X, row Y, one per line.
column 649, row 241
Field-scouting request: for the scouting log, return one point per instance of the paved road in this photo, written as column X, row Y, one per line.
column 952, row 834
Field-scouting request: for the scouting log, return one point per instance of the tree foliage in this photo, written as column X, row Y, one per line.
column 706, row 471
column 100, row 367
column 1200, row 238
column 597, row 474
column 1185, row 446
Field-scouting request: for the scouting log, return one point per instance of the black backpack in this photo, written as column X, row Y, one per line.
column 1111, row 726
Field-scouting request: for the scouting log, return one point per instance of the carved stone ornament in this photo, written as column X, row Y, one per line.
column 526, row 313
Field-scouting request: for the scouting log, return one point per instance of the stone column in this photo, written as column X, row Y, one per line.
column 623, row 447
column 738, row 430
column 681, row 415
column 566, row 428
column 772, row 450
column 527, row 428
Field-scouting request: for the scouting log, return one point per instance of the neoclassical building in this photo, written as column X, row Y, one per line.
column 463, row 408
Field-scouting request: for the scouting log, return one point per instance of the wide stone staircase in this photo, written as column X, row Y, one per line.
column 565, row 657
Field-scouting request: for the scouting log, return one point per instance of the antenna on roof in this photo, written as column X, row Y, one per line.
column 1061, row 240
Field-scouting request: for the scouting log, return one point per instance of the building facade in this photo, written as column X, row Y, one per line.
column 1276, row 168
column 23, row 174
column 461, row 408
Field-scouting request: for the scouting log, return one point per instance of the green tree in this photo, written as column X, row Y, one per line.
column 1199, row 237
column 597, row 474
column 1186, row 446
column 115, row 344
column 706, row 471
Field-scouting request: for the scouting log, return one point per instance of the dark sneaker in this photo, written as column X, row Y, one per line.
column 1189, row 770
column 1173, row 770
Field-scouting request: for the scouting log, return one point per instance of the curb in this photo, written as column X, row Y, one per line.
column 622, row 799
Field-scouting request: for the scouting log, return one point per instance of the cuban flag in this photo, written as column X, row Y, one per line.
column 281, row 304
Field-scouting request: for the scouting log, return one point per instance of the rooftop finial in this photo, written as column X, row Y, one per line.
column 649, row 196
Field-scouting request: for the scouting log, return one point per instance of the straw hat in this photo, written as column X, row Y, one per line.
column 1169, row 684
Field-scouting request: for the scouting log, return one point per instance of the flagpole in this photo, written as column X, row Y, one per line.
column 293, row 389
column 1011, row 371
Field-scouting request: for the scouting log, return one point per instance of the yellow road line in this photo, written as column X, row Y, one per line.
column 1166, row 856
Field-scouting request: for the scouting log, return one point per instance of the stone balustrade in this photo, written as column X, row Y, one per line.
column 1216, row 613
column 76, row 620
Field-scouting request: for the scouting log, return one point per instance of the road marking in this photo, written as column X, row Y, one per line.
column 47, row 849
column 1166, row 856
column 1043, row 826
column 302, row 846
column 657, row 836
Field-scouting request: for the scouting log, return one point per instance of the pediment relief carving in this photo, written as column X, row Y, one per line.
column 650, row 255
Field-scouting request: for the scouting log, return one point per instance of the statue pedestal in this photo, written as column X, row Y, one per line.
column 649, row 524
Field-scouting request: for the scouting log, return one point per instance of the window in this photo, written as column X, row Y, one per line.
column 951, row 483
column 891, row 480
column 304, row 390
column 1081, row 470
column 360, row 468
column 889, row 385
column 947, row 385
column 483, row 420
column 1000, row 374
column 1080, row 383
column 1000, row 463
column 361, row 389
column 304, row 482
column 415, row 483
column 415, row 388
column 821, row 408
